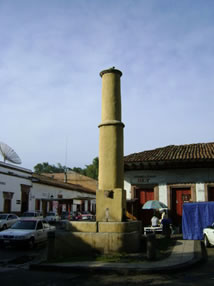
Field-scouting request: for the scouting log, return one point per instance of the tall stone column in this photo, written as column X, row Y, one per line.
column 111, row 198
column 110, row 233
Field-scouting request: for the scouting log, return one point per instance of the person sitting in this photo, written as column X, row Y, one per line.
column 155, row 220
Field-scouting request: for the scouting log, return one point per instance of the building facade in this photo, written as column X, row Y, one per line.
column 172, row 175
column 21, row 190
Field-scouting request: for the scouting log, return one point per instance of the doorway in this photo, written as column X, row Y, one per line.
column 144, row 195
column 7, row 201
column 179, row 196
column 24, row 198
column 7, row 206
column 210, row 194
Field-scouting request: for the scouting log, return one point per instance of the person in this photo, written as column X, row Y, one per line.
column 166, row 226
column 155, row 220
column 164, row 215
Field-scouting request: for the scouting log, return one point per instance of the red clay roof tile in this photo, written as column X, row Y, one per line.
column 192, row 152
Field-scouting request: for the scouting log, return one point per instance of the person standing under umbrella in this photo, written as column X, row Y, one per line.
column 166, row 223
column 155, row 220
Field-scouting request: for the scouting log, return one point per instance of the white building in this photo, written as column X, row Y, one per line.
column 172, row 175
column 21, row 190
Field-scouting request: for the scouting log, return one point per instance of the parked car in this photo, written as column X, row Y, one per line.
column 48, row 227
column 32, row 215
column 26, row 231
column 208, row 233
column 7, row 220
column 67, row 215
column 77, row 215
column 87, row 216
column 52, row 217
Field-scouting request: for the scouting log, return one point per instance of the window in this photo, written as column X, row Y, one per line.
column 39, row 225
column 13, row 216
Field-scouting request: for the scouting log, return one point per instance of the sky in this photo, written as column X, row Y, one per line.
column 51, row 54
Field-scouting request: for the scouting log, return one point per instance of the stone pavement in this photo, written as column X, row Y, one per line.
column 184, row 254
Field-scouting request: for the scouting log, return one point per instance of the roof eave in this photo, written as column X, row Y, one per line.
column 175, row 164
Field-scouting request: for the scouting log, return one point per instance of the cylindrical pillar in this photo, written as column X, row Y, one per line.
column 110, row 196
column 111, row 166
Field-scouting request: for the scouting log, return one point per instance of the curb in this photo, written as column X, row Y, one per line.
column 118, row 268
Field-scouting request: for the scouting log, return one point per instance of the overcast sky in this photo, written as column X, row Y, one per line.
column 51, row 53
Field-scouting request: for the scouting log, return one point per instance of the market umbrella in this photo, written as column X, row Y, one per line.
column 154, row 204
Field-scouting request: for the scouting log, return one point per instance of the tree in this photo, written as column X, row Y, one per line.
column 89, row 170
column 92, row 170
column 78, row 170
column 46, row 168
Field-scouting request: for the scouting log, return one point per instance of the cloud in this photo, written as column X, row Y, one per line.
column 51, row 56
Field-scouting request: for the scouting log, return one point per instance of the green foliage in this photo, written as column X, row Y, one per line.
column 92, row 170
column 78, row 170
column 89, row 170
column 46, row 168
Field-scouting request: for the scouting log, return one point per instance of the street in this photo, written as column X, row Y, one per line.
column 11, row 257
column 14, row 265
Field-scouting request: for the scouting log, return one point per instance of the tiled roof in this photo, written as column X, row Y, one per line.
column 50, row 181
column 75, row 179
column 188, row 152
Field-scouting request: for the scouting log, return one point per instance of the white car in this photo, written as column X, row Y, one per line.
column 28, row 232
column 52, row 217
column 31, row 215
column 208, row 234
column 7, row 220
column 87, row 216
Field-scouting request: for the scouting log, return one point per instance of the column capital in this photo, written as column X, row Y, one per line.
column 111, row 70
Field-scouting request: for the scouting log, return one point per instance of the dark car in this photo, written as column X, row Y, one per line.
column 67, row 215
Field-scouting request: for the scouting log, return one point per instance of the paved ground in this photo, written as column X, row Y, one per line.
column 184, row 253
column 21, row 257
column 18, row 271
column 198, row 274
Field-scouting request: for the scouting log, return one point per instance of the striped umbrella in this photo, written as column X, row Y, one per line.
column 154, row 204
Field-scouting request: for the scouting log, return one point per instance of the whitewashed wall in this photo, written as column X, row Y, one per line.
column 11, row 179
column 200, row 192
column 162, row 178
column 163, row 194
column 12, row 183
column 40, row 191
column 127, row 187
